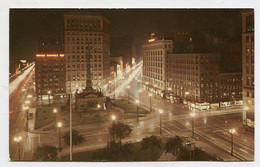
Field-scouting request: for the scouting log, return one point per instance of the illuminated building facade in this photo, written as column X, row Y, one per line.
column 193, row 77
column 248, row 67
column 154, row 69
column 230, row 89
column 50, row 76
column 84, row 33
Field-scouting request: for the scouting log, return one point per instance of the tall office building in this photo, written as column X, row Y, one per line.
column 50, row 76
column 248, row 67
column 86, row 33
column 50, row 70
column 154, row 69
column 193, row 77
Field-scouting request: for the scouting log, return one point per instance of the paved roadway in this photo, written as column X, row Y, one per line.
column 211, row 129
column 17, row 119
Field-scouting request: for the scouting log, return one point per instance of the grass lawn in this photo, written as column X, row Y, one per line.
column 79, row 119
column 44, row 116
column 128, row 107
column 135, row 154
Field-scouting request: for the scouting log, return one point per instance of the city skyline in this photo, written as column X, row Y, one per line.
column 132, row 85
column 123, row 23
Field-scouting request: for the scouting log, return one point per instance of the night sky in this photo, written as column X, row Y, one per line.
column 27, row 26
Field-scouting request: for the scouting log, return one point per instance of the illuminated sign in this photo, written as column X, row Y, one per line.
column 52, row 55
column 49, row 55
column 151, row 40
column 40, row 55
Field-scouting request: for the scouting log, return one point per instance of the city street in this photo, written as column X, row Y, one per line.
column 211, row 128
column 18, row 91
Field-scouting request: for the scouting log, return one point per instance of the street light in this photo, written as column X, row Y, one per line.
column 186, row 94
column 59, row 125
column 17, row 140
column 55, row 112
column 114, row 86
column 49, row 95
column 98, row 106
column 160, row 112
column 232, row 132
column 155, row 91
column 113, row 118
column 137, row 109
column 193, row 114
column 140, row 96
column 150, row 95
column 128, row 87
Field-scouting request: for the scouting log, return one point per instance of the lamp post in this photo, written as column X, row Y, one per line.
column 59, row 125
column 114, row 86
column 186, row 94
column 55, row 112
column 155, row 91
column 109, row 86
column 49, row 97
column 137, row 109
column 150, row 95
column 140, row 96
column 232, row 132
column 170, row 92
column 193, row 114
column 17, row 140
column 160, row 112
column 128, row 87
column 113, row 118
column 98, row 107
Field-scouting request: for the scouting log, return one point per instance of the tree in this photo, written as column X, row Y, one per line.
column 174, row 145
column 150, row 142
column 76, row 137
column 120, row 131
column 46, row 153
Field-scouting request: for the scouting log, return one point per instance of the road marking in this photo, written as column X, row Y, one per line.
column 243, row 150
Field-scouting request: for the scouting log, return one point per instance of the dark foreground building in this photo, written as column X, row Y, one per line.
column 50, row 71
column 248, row 67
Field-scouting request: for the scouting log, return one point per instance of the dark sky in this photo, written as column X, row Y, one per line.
column 27, row 25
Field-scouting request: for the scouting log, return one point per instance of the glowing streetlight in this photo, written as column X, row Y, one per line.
column 160, row 112
column 232, row 132
column 113, row 118
column 137, row 109
column 128, row 87
column 150, row 95
column 193, row 114
column 55, row 112
column 17, row 140
column 59, row 125
column 98, row 106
